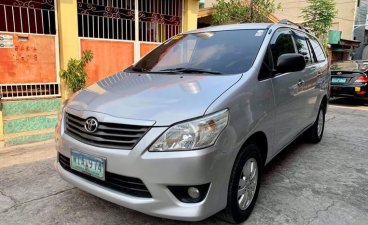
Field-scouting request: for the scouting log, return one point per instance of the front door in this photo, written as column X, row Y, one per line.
column 288, row 102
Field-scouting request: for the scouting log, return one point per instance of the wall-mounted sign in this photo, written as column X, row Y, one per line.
column 6, row 41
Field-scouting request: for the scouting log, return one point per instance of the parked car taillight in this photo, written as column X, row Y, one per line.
column 362, row 79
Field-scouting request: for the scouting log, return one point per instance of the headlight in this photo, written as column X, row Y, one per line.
column 191, row 135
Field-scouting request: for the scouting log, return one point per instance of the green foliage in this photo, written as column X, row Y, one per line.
column 235, row 11
column 318, row 16
column 75, row 75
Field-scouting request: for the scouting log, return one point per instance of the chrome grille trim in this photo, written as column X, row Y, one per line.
column 108, row 135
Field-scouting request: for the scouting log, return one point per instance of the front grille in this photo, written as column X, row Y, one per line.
column 107, row 135
column 128, row 185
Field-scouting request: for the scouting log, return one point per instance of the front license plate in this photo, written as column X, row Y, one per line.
column 88, row 164
column 338, row 80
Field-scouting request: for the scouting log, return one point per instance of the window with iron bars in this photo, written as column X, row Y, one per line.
column 108, row 19
column 159, row 19
column 24, row 91
column 28, row 16
column 115, row 19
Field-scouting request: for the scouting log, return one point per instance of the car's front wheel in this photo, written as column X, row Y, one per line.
column 244, row 185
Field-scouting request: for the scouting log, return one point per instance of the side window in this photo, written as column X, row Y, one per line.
column 313, row 54
column 266, row 68
column 318, row 51
column 281, row 43
column 302, row 47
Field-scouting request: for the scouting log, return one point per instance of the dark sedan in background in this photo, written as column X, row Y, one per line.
column 350, row 79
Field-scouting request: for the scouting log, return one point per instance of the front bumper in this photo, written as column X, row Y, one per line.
column 158, row 170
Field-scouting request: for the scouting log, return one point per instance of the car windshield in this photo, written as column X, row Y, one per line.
column 219, row 52
column 350, row 66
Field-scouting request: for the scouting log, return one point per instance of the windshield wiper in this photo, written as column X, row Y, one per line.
column 189, row 70
column 137, row 69
column 142, row 70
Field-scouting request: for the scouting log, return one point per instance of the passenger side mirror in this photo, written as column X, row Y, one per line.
column 290, row 62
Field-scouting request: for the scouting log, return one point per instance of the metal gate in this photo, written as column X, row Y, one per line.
column 28, row 49
column 115, row 19
column 125, row 29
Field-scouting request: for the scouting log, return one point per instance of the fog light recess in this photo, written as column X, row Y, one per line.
column 193, row 192
column 190, row 194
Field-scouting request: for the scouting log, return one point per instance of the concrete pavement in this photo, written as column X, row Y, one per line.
column 306, row 184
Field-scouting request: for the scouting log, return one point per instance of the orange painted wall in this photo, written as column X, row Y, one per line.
column 145, row 48
column 109, row 57
column 30, row 61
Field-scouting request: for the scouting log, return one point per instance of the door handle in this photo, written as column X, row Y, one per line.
column 300, row 82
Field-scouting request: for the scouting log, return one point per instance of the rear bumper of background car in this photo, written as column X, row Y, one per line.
column 351, row 91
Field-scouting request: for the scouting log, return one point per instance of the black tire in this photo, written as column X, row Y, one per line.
column 233, row 213
column 312, row 134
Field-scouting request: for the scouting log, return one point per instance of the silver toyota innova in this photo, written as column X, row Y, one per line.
column 186, row 131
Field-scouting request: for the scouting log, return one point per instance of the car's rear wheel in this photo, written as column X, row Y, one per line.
column 244, row 185
column 315, row 133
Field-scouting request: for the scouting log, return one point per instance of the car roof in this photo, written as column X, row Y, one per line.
column 243, row 26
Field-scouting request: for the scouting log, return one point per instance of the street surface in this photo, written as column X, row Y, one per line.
column 306, row 184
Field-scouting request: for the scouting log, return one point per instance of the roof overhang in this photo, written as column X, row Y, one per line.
column 205, row 12
column 352, row 43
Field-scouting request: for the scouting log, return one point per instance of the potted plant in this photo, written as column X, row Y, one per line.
column 75, row 75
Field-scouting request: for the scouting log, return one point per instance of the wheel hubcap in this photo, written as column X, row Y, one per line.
column 320, row 123
column 247, row 183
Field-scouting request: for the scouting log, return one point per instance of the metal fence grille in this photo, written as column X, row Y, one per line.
column 159, row 19
column 19, row 91
column 28, row 16
column 115, row 19
column 109, row 19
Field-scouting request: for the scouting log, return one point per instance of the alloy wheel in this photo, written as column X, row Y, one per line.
column 320, row 123
column 247, row 183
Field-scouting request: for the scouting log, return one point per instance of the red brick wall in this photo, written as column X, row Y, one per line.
column 109, row 57
column 145, row 48
column 31, row 60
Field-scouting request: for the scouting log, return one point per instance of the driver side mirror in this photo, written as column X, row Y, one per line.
column 290, row 62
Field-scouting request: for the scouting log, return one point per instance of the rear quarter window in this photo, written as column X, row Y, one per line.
column 318, row 51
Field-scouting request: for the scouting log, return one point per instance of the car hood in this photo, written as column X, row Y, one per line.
column 162, row 98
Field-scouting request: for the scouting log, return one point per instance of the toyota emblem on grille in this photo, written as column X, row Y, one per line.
column 91, row 125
